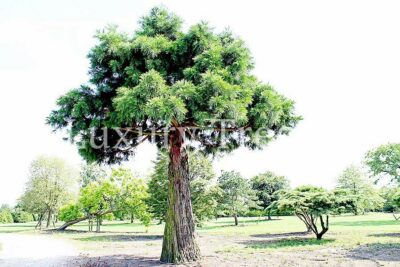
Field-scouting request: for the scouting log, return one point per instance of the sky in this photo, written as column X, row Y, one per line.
column 339, row 60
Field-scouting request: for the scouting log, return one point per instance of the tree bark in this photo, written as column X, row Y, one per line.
column 179, row 243
column 48, row 218
column 236, row 220
column 131, row 217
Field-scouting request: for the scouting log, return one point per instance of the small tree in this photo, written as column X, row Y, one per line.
column 121, row 192
column 384, row 161
column 237, row 195
column 266, row 185
column 357, row 186
column 312, row 205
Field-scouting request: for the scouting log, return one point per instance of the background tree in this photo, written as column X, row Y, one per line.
column 312, row 205
column 120, row 192
column 384, row 161
column 21, row 216
column 266, row 185
column 133, row 195
column 237, row 195
column 396, row 203
column 160, row 84
column 358, row 187
column 204, row 191
column 5, row 215
column 51, row 184
column 92, row 173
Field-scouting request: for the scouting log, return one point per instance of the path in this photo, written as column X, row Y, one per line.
column 18, row 250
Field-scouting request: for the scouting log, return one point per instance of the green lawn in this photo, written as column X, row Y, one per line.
column 345, row 231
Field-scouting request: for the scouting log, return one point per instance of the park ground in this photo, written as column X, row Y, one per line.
column 367, row 240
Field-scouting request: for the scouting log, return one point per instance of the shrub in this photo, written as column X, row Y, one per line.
column 6, row 216
column 22, row 216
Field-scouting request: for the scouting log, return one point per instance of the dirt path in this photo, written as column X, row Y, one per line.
column 34, row 251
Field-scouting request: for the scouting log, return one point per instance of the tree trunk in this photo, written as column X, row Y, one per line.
column 269, row 215
column 236, row 220
column 131, row 218
column 48, row 218
column 179, row 243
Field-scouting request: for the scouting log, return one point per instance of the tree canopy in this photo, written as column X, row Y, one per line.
column 266, row 185
column 384, row 161
column 237, row 195
column 353, row 183
column 160, row 77
column 311, row 205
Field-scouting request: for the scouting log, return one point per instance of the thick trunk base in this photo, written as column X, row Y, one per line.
column 179, row 244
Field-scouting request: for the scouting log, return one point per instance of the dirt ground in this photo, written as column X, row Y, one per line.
column 136, row 250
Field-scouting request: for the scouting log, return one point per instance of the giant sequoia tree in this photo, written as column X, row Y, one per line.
column 174, row 89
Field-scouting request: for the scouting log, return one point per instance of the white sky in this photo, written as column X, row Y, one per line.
column 339, row 60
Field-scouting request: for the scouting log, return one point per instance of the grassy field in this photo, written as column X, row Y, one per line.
column 372, row 237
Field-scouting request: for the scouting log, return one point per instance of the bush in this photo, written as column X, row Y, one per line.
column 6, row 216
column 22, row 216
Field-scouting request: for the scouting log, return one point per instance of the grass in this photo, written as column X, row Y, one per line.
column 253, row 234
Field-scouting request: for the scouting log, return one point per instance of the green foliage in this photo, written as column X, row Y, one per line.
column 92, row 173
column 161, row 75
column 52, row 184
column 6, row 216
column 70, row 212
column 266, row 186
column 20, row 216
column 357, row 187
column 384, row 161
column 237, row 196
column 203, row 193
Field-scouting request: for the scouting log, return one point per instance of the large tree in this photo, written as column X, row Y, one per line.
column 174, row 89
column 384, row 161
column 266, row 185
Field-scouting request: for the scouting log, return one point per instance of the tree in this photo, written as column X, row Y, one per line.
column 237, row 195
column 365, row 196
column 133, row 195
column 266, row 185
column 5, row 216
column 310, row 204
column 21, row 216
column 384, row 161
column 121, row 192
column 204, row 193
column 92, row 173
column 396, row 203
column 51, row 185
column 175, row 89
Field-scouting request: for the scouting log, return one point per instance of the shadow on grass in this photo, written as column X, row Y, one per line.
column 386, row 235
column 377, row 252
column 117, row 260
column 367, row 223
column 285, row 243
column 283, row 235
column 120, row 238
